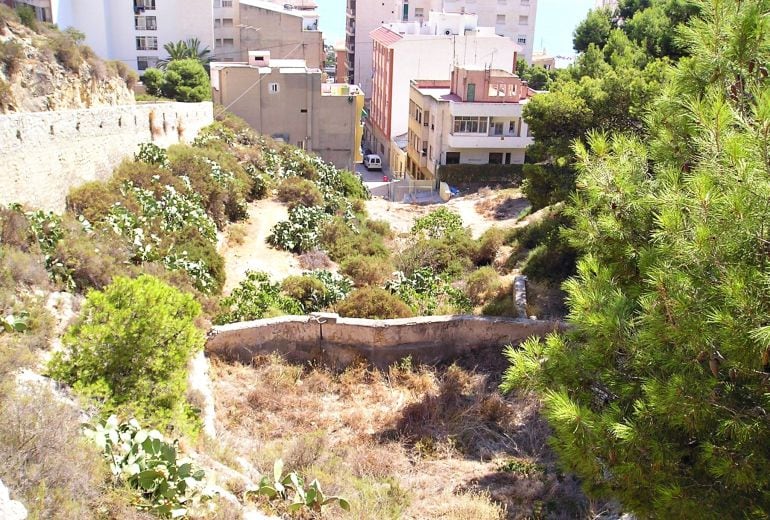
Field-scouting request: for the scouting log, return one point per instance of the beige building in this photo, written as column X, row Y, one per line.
column 291, row 102
column 289, row 30
column 543, row 59
column 474, row 118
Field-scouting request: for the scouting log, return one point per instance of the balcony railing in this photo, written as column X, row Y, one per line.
column 496, row 142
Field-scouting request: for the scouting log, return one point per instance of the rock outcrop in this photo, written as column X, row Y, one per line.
column 49, row 70
column 10, row 509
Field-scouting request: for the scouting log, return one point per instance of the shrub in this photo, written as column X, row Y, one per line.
column 425, row 292
column 482, row 284
column 187, row 81
column 308, row 291
column 152, row 79
column 66, row 50
column 130, row 348
column 342, row 240
column 11, row 56
column 93, row 200
column 452, row 255
column 7, row 99
column 124, row 72
column 7, row 15
column 314, row 260
column 489, row 244
column 27, row 16
column 437, row 224
column 254, row 298
column 352, row 187
column 375, row 303
column 367, row 270
column 196, row 249
column 298, row 191
column 301, row 232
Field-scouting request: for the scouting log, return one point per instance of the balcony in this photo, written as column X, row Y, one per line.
column 490, row 142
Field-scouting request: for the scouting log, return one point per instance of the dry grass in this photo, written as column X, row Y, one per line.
column 501, row 204
column 236, row 234
column 410, row 442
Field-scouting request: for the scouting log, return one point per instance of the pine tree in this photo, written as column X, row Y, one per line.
column 659, row 395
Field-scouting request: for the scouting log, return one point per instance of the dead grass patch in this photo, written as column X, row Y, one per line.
column 409, row 442
column 501, row 204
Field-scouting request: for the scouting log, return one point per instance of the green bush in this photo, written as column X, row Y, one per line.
column 296, row 191
column 437, row 224
column 453, row 255
column 152, row 79
column 256, row 297
column 375, row 303
column 308, row 291
column 352, row 186
column 482, row 284
column 130, row 348
column 367, row 270
column 11, row 56
column 301, row 232
column 187, row 81
column 489, row 244
column 93, row 200
column 27, row 16
column 343, row 240
column 428, row 293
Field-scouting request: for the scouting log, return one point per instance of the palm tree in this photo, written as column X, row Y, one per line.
column 182, row 50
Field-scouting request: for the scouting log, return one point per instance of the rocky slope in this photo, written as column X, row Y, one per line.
column 42, row 68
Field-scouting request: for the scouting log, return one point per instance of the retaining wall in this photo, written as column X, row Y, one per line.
column 342, row 341
column 44, row 154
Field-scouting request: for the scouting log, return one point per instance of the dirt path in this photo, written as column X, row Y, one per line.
column 402, row 216
column 254, row 253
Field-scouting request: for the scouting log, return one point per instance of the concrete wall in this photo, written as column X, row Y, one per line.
column 281, row 33
column 342, row 341
column 44, row 154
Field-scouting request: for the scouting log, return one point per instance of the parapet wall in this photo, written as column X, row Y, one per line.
column 44, row 154
column 342, row 341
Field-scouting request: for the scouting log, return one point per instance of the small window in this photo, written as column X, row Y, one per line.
column 521, row 40
column 146, row 43
column 228, row 41
column 273, row 88
column 227, row 3
column 145, row 23
column 502, row 2
column 495, row 158
column 218, row 42
column 523, row 20
column 217, row 3
column 452, row 158
column 217, row 23
column 500, row 20
column 145, row 62
column 227, row 22
column 419, row 12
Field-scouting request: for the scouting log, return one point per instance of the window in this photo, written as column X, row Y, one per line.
column 405, row 16
column 145, row 23
column 497, row 128
column 227, row 3
column 217, row 23
column 273, row 88
column 218, row 42
column 452, row 158
column 419, row 12
column 228, row 41
column 145, row 62
column 512, row 128
column 470, row 125
column 508, row 158
column 502, row 2
column 141, row 5
column 522, row 39
column 496, row 158
column 524, row 2
column 500, row 20
column 524, row 20
column 146, row 43
column 217, row 3
column 227, row 22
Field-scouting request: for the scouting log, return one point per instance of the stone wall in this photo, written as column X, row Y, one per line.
column 342, row 341
column 44, row 154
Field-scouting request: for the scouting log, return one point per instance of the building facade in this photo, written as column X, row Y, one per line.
column 474, row 118
column 289, row 101
column 514, row 19
column 406, row 51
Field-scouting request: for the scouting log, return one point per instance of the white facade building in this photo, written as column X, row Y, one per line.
column 514, row 19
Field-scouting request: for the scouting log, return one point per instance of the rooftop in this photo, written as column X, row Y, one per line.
column 300, row 12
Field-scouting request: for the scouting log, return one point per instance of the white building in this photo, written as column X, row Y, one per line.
column 514, row 19
column 407, row 51
column 606, row 4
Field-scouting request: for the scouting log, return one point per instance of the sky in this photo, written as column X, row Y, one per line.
column 556, row 19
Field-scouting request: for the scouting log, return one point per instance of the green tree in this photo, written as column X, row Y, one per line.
column 594, row 29
column 130, row 348
column 658, row 393
column 186, row 80
column 190, row 49
column 152, row 79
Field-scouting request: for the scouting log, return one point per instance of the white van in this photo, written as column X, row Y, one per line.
column 372, row 162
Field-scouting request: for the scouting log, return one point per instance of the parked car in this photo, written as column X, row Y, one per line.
column 372, row 162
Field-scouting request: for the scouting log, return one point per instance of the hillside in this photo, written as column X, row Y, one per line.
column 43, row 68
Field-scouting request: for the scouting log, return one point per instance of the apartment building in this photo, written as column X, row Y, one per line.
column 406, row 51
column 290, row 101
column 473, row 118
column 131, row 31
column 288, row 29
column 514, row 19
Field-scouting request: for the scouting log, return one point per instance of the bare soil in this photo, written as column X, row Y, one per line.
column 253, row 252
